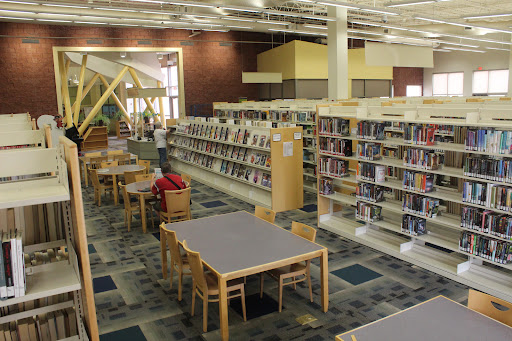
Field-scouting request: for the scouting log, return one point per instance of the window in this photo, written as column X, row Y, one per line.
column 493, row 82
column 448, row 84
column 414, row 91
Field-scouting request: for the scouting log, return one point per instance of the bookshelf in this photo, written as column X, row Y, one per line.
column 41, row 197
column 95, row 138
column 434, row 237
column 123, row 130
column 22, row 139
column 198, row 148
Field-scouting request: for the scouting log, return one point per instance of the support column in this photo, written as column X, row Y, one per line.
column 510, row 72
column 337, row 41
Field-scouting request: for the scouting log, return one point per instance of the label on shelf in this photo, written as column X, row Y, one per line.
column 276, row 137
column 297, row 136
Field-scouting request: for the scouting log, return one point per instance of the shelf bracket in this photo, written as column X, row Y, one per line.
column 407, row 246
column 463, row 267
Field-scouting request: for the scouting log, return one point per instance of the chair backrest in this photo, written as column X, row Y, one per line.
column 145, row 163
column 144, row 177
column 174, row 247
column 95, row 162
column 265, row 214
column 123, row 159
column 304, row 231
column 178, row 201
column 115, row 152
column 490, row 306
column 95, row 154
column 107, row 164
column 129, row 176
column 196, row 268
column 126, row 196
column 186, row 177
column 94, row 178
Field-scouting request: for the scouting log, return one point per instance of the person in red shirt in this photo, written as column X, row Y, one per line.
column 169, row 182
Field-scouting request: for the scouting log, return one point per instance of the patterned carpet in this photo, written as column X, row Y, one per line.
column 134, row 303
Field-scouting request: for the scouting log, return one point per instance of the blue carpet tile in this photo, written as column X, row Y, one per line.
column 356, row 274
column 157, row 235
column 309, row 208
column 91, row 248
column 255, row 306
column 128, row 334
column 212, row 204
column 102, row 284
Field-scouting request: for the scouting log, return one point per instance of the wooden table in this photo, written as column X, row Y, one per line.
column 86, row 159
column 114, row 172
column 239, row 244
column 133, row 189
column 437, row 319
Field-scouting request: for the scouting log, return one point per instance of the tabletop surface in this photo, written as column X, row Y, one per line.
column 86, row 158
column 119, row 170
column 237, row 241
column 135, row 186
column 437, row 319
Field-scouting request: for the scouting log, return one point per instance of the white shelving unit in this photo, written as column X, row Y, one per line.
column 438, row 250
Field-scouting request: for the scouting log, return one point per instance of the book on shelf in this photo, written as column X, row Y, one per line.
column 446, row 129
column 370, row 192
column 13, row 264
column 493, row 250
column 419, row 204
column 335, row 146
column 414, row 226
column 489, row 141
column 334, row 126
column 266, row 180
column 421, row 158
column 397, row 126
column 333, row 167
column 419, row 182
column 421, row 134
column 326, row 186
column 368, row 212
column 488, row 195
column 368, row 151
column 370, row 130
column 371, row 172
column 493, row 169
column 496, row 224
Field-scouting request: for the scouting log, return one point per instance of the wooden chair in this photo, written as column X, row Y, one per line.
column 99, row 188
column 123, row 159
column 144, row 177
column 115, row 152
column 186, row 178
column 108, row 164
column 132, row 207
column 292, row 271
column 145, row 163
column 486, row 304
column 95, row 154
column 179, row 262
column 95, row 162
column 265, row 214
column 207, row 284
column 129, row 176
column 178, row 206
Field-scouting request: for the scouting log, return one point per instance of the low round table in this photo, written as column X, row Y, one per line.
column 133, row 189
column 114, row 172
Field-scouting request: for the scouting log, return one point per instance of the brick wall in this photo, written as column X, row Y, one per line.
column 212, row 72
column 403, row 76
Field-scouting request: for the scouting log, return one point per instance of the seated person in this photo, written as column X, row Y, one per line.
column 169, row 182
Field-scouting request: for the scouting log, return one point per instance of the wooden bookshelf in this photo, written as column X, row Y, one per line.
column 123, row 130
column 41, row 196
column 438, row 250
column 95, row 138
column 285, row 189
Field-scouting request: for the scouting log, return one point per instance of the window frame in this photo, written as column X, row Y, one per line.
column 448, row 94
column 488, row 82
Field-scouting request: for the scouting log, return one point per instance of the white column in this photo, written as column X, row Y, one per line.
column 337, row 41
column 510, row 72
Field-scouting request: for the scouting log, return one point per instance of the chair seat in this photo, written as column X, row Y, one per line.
column 213, row 284
column 288, row 269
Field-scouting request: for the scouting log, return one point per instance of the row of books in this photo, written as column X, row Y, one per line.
column 488, row 195
column 335, row 146
column 14, row 147
column 421, row 158
column 397, row 126
column 326, row 186
column 229, row 151
column 370, row 130
column 419, row 204
column 12, row 265
column 421, row 134
column 293, row 116
column 444, row 129
column 390, row 152
column 489, row 141
column 370, row 192
column 491, row 249
column 333, row 127
column 419, row 182
column 368, row 212
column 496, row 224
column 241, row 136
column 368, row 151
column 333, row 167
column 371, row 172
column 414, row 226
column 488, row 168
column 55, row 325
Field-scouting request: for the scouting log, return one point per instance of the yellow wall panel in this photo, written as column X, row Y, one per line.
column 279, row 59
column 357, row 68
column 310, row 60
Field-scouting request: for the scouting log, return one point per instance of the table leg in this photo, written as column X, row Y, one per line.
column 86, row 176
column 116, row 189
column 143, row 212
column 223, row 309
column 163, row 251
column 324, row 274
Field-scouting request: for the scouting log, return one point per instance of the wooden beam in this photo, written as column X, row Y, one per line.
column 118, row 102
column 102, row 100
column 161, row 104
column 79, row 91
column 139, row 85
column 65, row 90
column 88, row 88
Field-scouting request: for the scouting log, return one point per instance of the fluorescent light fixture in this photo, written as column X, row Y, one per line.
column 336, row 4
column 457, row 49
column 237, row 19
column 115, row 9
column 279, row 30
column 318, row 27
column 463, row 24
column 60, row 15
column 483, row 16
column 152, row 12
column 53, row 20
column 154, row 26
column 200, row 24
column 91, row 17
column 65, row 6
column 210, row 30
column 441, row 50
column 91, row 22
column 241, row 9
column 497, row 48
column 273, row 22
column 365, row 23
column 17, row 12
column 203, row 16
column 311, row 33
column 20, row 2
column 15, row 18
column 242, row 27
column 457, row 44
column 124, row 25
column 409, row 3
column 365, row 32
column 130, row 19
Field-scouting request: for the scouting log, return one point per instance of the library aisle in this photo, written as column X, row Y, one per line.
column 134, row 303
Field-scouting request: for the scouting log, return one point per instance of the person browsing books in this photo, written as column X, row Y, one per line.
column 160, row 135
column 169, row 182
